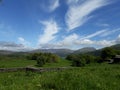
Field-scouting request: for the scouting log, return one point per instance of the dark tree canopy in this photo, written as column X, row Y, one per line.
column 108, row 53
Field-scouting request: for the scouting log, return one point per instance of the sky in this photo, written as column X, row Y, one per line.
column 56, row 24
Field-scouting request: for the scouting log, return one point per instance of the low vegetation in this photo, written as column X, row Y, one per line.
column 88, row 72
column 91, row 77
column 83, row 59
column 43, row 58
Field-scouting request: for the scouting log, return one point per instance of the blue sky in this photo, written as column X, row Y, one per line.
column 72, row 24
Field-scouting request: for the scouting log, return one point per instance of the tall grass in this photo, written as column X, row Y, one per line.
column 98, row 77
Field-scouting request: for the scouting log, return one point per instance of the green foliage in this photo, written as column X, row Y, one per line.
column 95, row 77
column 78, row 62
column 98, row 59
column 107, row 53
column 10, row 63
column 71, row 57
column 80, row 59
column 43, row 58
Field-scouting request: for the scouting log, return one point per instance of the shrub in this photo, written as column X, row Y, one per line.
column 41, row 61
column 79, row 62
column 43, row 58
column 107, row 53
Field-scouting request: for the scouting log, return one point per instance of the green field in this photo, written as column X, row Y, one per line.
column 97, row 77
column 14, row 62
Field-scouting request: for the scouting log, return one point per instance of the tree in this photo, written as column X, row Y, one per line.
column 78, row 62
column 108, row 53
column 41, row 61
column 43, row 58
column 71, row 57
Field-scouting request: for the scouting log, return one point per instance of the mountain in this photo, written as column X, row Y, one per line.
column 98, row 52
column 117, row 46
column 84, row 50
column 60, row 52
column 6, row 52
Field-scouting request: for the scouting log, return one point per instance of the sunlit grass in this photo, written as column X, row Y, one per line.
column 98, row 77
column 16, row 63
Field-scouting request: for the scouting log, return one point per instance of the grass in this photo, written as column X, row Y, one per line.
column 92, row 77
column 16, row 63
column 60, row 63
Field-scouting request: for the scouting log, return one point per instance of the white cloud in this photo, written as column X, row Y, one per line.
column 118, row 40
column 53, row 5
column 109, row 32
column 95, row 34
column 94, row 43
column 72, row 41
column 13, row 46
column 69, row 40
column 50, row 30
column 103, row 24
column 21, row 40
column 50, row 5
column 104, row 43
column 79, row 13
column 84, row 42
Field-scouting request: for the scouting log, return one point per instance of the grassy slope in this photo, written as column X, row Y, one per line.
column 97, row 77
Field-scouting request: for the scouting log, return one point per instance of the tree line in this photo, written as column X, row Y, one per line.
column 83, row 59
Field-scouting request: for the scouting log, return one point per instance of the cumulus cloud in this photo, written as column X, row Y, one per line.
column 72, row 41
column 23, row 41
column 79, row 11
column 50, row 30
column 68, row 41
column 84, row 42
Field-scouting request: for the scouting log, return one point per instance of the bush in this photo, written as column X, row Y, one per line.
column 41, row 61
column 79, row 62
column 43, row 58
column 107, row 53
column 81, row 59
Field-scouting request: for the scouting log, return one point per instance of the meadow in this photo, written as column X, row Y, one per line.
column 91, row 77
column 18, row 62
column 11, row 63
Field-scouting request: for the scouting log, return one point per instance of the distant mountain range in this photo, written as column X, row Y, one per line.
column 62, row 52
column 85, row 50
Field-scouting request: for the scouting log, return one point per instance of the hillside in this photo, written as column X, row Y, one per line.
column 117, row 46
column 85, row 50
column 60, row 52
column 98, row 52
